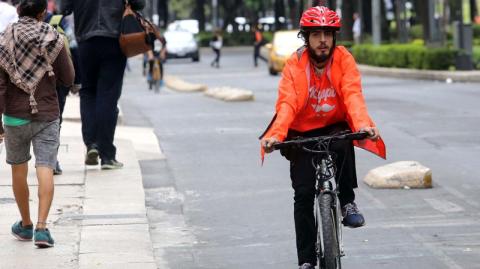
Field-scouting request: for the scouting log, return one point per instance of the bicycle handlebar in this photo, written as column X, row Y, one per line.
column 301, row 141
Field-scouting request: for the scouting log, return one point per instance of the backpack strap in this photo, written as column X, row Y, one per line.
column 55, row 21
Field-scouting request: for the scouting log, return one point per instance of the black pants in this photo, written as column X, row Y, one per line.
column 216, row 61
column 76, row 65
column 302, row 174
column 102, row 65
column 256, row 54
column 62, row 93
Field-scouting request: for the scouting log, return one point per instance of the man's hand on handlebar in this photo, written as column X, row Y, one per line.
column 373, row 133
column 267, row 143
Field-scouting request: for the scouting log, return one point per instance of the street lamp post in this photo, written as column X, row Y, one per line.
column 376, row 22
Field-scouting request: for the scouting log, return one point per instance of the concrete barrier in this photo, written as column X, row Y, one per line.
column 404, row 174
column 230, row 94
column 178, row 84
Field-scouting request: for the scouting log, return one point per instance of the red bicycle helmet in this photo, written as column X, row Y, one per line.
column 320, row 17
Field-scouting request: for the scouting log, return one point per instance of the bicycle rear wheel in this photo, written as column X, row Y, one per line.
column 331, row 252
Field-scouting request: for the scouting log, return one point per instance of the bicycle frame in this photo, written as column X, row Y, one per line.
column 325, row 187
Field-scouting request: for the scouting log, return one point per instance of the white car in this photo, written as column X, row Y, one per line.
column 181, row 44
column 184, row 25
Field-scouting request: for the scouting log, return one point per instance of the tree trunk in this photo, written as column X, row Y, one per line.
column 473, row 9
column 347, row 21
column 229, row 8
column 199, row 14
column 301, row 8
column 162, row 10
column 279, row 12
column 292, row 7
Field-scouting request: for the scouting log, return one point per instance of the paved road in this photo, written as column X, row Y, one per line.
column 211, row 204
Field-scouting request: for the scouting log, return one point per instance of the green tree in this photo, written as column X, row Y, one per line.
column 182, row 9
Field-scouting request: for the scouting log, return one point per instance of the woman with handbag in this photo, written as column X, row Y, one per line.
column 102, row 64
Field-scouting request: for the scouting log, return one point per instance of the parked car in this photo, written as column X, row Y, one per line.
column 284, row 43
column 181, row 44
column 184, row 25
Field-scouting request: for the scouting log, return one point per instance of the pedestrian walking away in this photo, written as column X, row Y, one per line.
column 33, row 59
column 216, row 44
column 102, row 65
column 357, row 28
column 320, row 94
column 259, row 42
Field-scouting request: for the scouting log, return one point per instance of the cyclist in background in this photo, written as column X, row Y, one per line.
column 320, row 94
column 155, row 59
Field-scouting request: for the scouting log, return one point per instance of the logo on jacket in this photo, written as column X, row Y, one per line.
column 319, row 99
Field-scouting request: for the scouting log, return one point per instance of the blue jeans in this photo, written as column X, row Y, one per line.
column 102, row 65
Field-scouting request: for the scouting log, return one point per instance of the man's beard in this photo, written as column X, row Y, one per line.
column 319, row 59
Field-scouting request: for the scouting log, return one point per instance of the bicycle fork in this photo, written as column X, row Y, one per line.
column 326, row 188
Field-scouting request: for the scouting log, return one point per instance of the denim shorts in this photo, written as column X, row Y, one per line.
column 43, row 135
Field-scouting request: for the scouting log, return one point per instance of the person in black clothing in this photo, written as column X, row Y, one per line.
column 259, row 42
column 102, row 64
column 216, row 44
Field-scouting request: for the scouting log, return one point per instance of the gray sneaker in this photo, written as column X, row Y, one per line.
column 92, row 156
column 306, row 266
column 111, row 164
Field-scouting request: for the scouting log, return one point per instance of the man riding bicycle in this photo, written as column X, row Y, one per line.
column 320, row 94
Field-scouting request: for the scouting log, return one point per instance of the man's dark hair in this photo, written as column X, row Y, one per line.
column 31, row 8
column 305, row 33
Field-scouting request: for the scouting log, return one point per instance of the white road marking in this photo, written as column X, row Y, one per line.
column 444, row 205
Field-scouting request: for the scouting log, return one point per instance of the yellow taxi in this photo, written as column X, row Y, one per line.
column 284, row 43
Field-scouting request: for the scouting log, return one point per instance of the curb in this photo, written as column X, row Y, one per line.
column 178, row 84
column 448, row 76
column 229, row 94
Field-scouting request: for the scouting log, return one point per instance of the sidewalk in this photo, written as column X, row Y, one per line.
column 98, row 218
column 452, row 76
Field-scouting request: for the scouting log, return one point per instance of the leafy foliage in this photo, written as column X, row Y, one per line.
column 405, row 56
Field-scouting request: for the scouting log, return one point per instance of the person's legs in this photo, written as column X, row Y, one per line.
column 303, row 182
column 109, row 88
column 346, row 173
column 160, row 64
column 62, row 93
column 89, row 66
column 21, row 191
column 45, row 194
column 45, row 142
column 17, row 145
column 217, row 58
column 76, row 65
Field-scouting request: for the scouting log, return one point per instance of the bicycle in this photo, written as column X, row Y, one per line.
column 329, row 246
column 154, row 75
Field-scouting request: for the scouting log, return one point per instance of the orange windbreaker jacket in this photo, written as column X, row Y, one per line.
column 345, row 79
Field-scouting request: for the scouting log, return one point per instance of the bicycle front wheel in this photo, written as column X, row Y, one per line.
column 330, row 258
